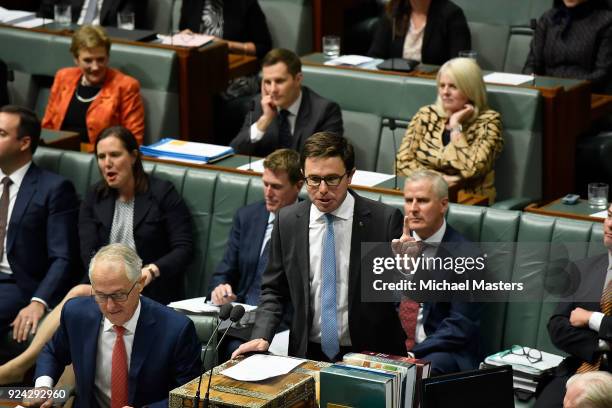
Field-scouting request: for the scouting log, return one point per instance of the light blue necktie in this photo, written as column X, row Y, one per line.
column 90, row 14
column 329, row 324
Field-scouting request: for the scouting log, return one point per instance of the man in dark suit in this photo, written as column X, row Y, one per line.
column 287, row 112
column 581, row 325
column 315, row 263
column 447, row 333
column 105, row 13
column 108, row 339
column 38, row 235
column 238, row 275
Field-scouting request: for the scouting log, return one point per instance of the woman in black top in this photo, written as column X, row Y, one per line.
column 429, row 31
column 574, row 40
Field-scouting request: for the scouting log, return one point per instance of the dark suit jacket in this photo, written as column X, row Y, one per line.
column 156, row 367
column 243, row 21
column 239, row 263
column 41, row 242
column 452, row 326
column 446, row 33
column 372, row 326
column 316, row 114
column 108, row 12
column 162, row 232
column 581, row 343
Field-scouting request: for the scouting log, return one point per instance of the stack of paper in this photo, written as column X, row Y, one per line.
column 186, row 39
column 15, row 16
column 182, row 150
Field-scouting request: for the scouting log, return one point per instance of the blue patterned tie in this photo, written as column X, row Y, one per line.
column 329, row 325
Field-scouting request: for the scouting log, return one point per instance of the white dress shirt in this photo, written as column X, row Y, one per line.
column 104, row 357
column 257, row 134
column 429, row 252
column 597, row 317
column 343, row 231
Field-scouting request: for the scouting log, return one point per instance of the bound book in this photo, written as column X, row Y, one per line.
column 182, row 150
column 293, row 390
column 423, row 369
column 356, row 387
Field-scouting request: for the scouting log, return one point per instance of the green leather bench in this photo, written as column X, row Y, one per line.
column 155, row 68
column 290, row 23
column 367, row 99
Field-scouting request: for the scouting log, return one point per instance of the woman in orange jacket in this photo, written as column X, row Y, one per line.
column 92, row 96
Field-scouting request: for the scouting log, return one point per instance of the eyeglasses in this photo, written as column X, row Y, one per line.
column 116, row 297
column 330, row 181
column 532, row 355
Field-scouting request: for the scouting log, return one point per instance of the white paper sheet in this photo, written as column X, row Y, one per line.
column 507, row 79
column 351, row 60
column 259, row 367
column 35, row 22
column 257, row 166
column 7, row 16
column 280, row 344
column 199, row 305
column 600, row 214
column 186, row 40
column 369, row 178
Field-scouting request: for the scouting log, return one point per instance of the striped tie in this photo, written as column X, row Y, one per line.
column 606, row 308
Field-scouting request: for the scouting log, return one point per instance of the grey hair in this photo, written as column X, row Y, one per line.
column 597, row 389
column 119, row 253
column 438, row 183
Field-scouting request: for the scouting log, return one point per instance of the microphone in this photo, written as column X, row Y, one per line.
column 251, row 109
column 392, row 127
column 235, row 316
column 225, row 312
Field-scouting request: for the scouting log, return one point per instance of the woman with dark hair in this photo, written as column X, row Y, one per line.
column 574, row 40
column 429, row 31
column 127, row 206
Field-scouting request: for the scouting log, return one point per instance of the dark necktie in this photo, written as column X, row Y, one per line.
column 252, row 296
column 119, row 371
column 4, row 206
column 606, row 309
column 284, row 129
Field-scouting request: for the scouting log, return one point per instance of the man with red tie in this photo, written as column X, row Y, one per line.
column 108, row 339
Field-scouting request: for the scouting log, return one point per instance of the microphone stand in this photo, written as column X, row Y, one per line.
column 251, row 109
column 224, row 313
column 235, row 316
column 392, row 127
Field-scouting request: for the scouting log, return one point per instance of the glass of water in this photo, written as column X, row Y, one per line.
column 468, row 54
column 598, row 195
column 125, row 20
column 331, row 46
column 62, row 14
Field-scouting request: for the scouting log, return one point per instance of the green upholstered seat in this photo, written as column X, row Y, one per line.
column 290, row 24
column 490, row 42
column 517, row 49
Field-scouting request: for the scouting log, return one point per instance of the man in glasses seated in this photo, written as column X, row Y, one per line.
column 581, row 325
column 117, row 332
column 315, row 263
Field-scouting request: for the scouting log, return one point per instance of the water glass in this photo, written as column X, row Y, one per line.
column 468, row 54
column 598, row 195
column 125, row 20
column 62, row 14
column 331, row 46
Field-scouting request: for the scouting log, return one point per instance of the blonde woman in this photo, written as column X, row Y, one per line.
column 458, row 136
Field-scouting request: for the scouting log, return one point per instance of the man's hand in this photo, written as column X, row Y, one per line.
column 268, row 109
column 406, row 244
column 26, row 321
column 258, row 345
column 223, row 294
column 39, row 402
column 580, row 317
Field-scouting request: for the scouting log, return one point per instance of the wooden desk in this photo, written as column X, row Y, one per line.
column 568, row 109
column 231, row 164
column 202, row 73
column 601, row 105
column 556, row 208
column 60, row 139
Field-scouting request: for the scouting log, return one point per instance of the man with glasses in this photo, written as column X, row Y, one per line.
column 581, row 325
column 315, row 263
column 126, row 349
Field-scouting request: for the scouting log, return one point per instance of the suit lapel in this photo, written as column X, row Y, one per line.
column 140, row 349
column 105, row 210
column 142, row 204
column 256, row 236
column 361, row 230
column 26, row 191
column 302, row 120
column 90, row 345
column 301, row 249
